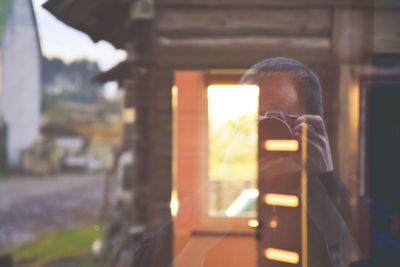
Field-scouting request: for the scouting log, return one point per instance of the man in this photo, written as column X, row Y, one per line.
column 289, row 86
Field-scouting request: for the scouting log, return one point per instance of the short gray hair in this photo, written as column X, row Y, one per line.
column 306, row 81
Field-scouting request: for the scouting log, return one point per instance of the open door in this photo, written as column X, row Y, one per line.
column 215, row 146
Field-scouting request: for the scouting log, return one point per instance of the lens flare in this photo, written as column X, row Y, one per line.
column 253, row 223
column 282, row 255
column 281, row 200
column 281, row 145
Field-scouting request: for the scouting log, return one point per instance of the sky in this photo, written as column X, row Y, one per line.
column 61, row 41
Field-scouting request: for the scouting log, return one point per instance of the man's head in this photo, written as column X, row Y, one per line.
column 286, row 84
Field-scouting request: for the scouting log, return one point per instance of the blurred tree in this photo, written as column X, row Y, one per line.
column 69, row 82
column 4, row 8
column 233, row 149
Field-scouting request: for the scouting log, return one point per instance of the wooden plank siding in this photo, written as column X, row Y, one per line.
column 237, row 52
column 231, row 22
column 217, row 37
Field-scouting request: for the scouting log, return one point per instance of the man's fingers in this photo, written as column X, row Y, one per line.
column 314, row 148
column 317, row 159
column 316, row 121
column 299, row 127
column 311, row 134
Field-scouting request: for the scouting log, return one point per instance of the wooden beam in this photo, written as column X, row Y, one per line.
column 385, row 4
column 387, row 31
column 159, row 123
column 236, row 52
column 352, row 40
column 197, row 22
column 351, row 35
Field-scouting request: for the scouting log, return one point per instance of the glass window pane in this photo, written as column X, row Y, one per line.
column 232, row 112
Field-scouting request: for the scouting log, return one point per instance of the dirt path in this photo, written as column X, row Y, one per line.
column 29, row 206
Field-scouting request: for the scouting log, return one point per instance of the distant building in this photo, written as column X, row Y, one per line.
column 21, row 84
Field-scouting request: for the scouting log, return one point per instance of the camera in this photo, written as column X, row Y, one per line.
column 275, row 125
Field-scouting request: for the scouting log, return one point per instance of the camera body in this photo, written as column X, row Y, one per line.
column 275, row 125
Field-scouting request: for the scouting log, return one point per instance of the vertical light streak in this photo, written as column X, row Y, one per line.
column 354, row 114
column 304, row 241
column 174, row 203
column 353, row 140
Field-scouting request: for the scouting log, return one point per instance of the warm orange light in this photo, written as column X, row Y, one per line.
column 282, row 255
column 304, row 213
column 281, row 200
column 129, row 115
column 252, row 223
column 281, row 145
column 174, row 203
column 273, row 223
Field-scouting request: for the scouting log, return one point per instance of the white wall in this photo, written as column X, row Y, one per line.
column 20, row 97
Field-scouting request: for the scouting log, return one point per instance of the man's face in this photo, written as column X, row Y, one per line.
column 278, row 92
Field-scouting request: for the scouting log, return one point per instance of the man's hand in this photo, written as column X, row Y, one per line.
column 319, row 157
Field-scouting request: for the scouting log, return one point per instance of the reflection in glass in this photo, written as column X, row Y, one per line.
column 232, row 114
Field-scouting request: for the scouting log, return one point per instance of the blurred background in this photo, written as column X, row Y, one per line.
column 123, row 120
column 59, row 132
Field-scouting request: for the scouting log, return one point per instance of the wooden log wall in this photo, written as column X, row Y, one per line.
column 160, row 152
column 336, row 38
column 192, row 32
column 151, row 138
column 232, row 37
column 207, row 34
column 236, row 34
column 151, row 96
column 386, row 30
column 352, row 46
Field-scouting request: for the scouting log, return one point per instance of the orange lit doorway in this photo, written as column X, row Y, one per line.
column 211, row 228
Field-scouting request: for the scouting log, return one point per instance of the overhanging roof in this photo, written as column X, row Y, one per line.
column 100, row 19
column 120, row 72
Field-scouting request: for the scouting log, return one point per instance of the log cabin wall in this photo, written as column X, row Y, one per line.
column 336, row 38
column 197, row 34
column 234, row 34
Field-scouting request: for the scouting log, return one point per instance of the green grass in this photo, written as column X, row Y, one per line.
column 85, row 260
column 3, row 175
column 57, row 244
